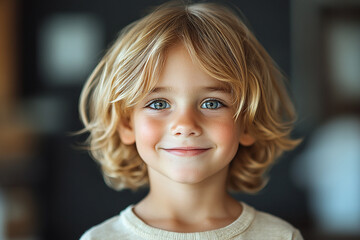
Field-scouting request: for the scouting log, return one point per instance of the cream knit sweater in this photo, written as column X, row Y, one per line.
column 251, row 225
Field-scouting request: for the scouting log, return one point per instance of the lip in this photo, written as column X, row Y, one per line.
column 186, row 151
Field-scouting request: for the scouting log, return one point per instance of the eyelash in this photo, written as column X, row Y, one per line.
column 167, row 104
column 214, row 100
column 155, row 101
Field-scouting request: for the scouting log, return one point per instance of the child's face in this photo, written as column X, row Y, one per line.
column 184, row 130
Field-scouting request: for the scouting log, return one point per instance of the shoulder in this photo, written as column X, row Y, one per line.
column 103, row 229
column 265, row 224
column 110, row 229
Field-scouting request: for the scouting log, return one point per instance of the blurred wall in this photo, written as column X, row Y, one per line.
column 326, row 85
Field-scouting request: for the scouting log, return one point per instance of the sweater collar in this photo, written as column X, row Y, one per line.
column 136, row 226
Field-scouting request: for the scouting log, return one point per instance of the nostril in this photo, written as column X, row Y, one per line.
column 181, row 131
column 185, row 125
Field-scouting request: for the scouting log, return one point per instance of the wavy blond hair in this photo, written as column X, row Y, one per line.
column 218, row 40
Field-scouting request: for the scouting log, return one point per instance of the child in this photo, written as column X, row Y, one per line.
column 188, row 102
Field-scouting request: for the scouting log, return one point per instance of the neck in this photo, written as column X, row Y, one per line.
column 188, row 203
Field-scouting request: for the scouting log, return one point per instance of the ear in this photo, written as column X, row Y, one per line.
column 246, row 139
column 126, row 131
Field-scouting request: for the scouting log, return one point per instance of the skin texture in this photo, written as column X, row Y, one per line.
column 185, row 132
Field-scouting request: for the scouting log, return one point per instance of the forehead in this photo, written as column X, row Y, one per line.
column 180, row 69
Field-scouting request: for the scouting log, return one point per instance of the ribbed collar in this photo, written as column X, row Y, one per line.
column 135, row 225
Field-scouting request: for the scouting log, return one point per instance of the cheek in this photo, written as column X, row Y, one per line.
column 148, row 131
column 227, row 134
column 226, row 131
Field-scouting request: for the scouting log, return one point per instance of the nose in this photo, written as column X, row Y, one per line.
column 185, row 124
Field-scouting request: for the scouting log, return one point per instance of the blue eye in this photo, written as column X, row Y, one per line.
column 212, row 104
column 159, row 105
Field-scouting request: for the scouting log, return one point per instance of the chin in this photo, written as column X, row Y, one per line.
column 188, row 176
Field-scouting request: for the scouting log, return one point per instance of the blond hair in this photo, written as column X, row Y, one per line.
column 218, row 40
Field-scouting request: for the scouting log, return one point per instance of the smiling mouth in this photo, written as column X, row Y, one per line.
column 186, row 151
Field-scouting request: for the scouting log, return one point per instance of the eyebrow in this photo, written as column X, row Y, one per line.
column 223, row 89
column 218, row 89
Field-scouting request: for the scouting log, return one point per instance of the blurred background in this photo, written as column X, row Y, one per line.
column 51, row 190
